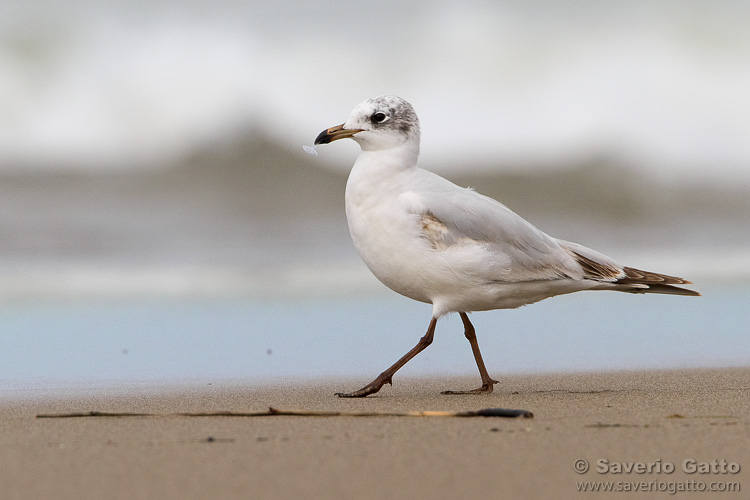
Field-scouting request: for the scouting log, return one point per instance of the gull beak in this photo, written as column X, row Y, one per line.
column 335, row 133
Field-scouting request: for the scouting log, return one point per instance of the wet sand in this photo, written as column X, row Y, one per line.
column 623, row 417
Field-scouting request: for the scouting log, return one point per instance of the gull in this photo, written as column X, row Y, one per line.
column 435, row 242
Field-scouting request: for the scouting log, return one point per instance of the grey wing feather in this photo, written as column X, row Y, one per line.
column 533, row 254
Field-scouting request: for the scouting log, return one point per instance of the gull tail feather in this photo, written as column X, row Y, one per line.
column 612, row 276
column 650, row 282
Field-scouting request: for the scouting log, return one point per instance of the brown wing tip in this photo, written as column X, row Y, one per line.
column 656, row 283
column 637, row 276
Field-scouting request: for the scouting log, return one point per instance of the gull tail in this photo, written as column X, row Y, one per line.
column 648, row 282
column 612, row 276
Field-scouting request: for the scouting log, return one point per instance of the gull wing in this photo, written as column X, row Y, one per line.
column 453, row 217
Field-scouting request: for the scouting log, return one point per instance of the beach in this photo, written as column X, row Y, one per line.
column 644, row 420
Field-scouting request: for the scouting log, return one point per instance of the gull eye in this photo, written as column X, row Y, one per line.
column 379, row 117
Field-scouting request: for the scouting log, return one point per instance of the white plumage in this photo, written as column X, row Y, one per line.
column 433, row 241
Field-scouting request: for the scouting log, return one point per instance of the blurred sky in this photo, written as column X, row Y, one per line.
column 657, row 84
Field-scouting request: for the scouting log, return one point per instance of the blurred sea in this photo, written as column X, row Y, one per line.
column 159, row 219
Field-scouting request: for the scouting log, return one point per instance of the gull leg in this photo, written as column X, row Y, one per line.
column 487, row 381
column 385, row 377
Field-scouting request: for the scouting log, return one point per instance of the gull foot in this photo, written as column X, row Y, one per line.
column 370, row 388
column 362, row 393
column 485, row 389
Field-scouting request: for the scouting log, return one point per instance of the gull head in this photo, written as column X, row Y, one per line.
column 382, row 122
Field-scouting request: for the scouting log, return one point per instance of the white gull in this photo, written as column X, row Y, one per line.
column 433, row 241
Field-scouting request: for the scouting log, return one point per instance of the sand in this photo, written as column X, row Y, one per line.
column 624, row 417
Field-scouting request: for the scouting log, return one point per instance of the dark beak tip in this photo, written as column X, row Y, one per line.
column 323, row 138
